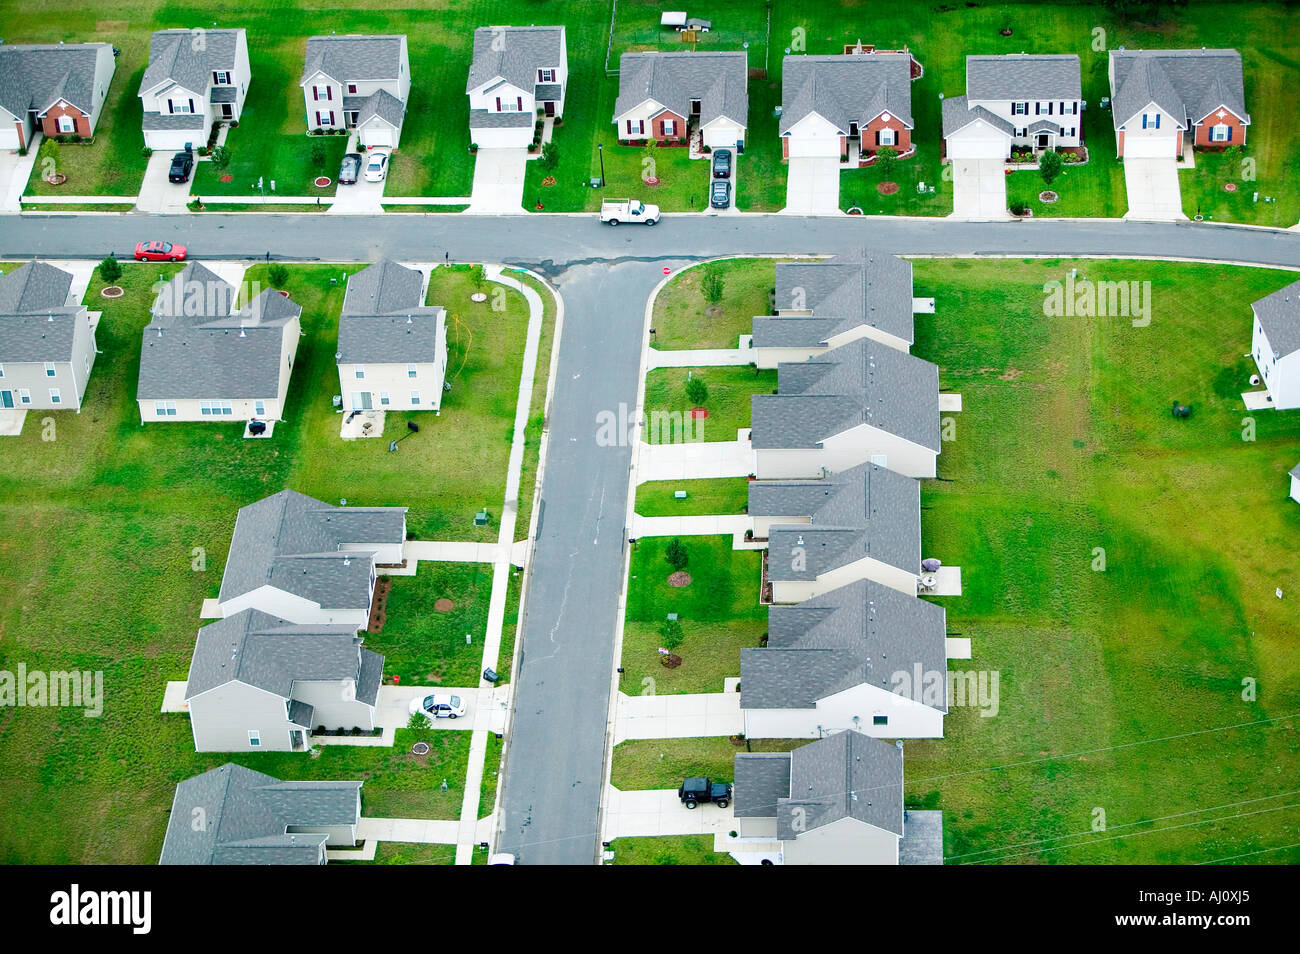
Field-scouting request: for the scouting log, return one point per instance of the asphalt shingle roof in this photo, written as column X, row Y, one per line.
column 863, row 382
column 347, row 59
column 486, row 119
column 1021, row 76
column 842, row 293
column 385, row 320
column 848, row 88
column 862, row 633
column 1186, row 84
column 152, row 120
column 248, row 815
column 38, row 76
column 958, row 114
column 383, row 104
column 1279, row 315
column 36, row 321
column 717, row 80
column 522, row 52
column 173, row 58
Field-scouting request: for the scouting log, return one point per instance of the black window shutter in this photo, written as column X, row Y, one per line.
column 1038, row 107
column 1229, row 134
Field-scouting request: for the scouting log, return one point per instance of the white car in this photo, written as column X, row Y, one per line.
column 377, row 167
column 440, row 705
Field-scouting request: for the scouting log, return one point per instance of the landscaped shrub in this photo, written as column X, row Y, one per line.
column 671, row 635
column 318, row 155
column 676, row 553
column 697, row 392
column 712, row 285
column 550, row 157
column 419, row 720
column 1049, row 165
column 886, row 159
column 221, row 158
column 278, row 275
column 110, row 269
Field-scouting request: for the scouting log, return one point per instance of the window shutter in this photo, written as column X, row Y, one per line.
column 1157, row 120
column 877, row 137
column 1229, row 134
column 170, row 108
column 192, row 109
column 329, row 93
column 315, row 94
column 1049, row 109
column 1038, row 107
column 1144, row 120
column 519, row 103
column 499, row 106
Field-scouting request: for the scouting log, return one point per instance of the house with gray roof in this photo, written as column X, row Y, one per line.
column 204, row 357
column 1275, row 345
column 300, row 559
column 47, row 340
column 863, row 402
column 1295, row 483
column 515, row 74
column 1016, row 100
column 668, row 96
column 259, row 683
column 861, row 524
column 232, row 815
column 823, row 305
column 838, row 801
column 392, row 352
column 1161, row 98
column 195, row 78
column 863, row 656
column 847, row 106
column 357, row 82
column 52, row 89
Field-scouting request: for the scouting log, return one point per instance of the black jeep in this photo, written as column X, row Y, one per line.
column 696, row 790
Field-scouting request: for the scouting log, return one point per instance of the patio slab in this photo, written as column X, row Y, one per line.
column 11, row 422
column 361, row 425
column 1256, row 400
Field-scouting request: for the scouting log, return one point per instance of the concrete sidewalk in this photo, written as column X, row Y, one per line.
column 732, row 525
column 452, row 551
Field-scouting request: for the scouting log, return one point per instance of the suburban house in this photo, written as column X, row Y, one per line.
column 668, row 96
column 258, row 683
column 864, row 402
column 1275, row 345
column 47, row 340
column 234, row 816
column 516, row 71
column 846, row 106
column 195, row 78
column 1018, row 101
column 838, row 801
column 1295, row 483
column 1158, row 97
column 863, row 656
column 55, row 89
column 296, row 558
column 862, row 524
column 392, row 347
column 823, row 305
column 357, row 82
column 201, row 359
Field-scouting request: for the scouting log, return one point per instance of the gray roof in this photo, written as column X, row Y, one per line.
column 196, row 348
column 36, row 321
column 1279, row 316
column 1023, row 76
column 385, row 319
column 1186, row 84
column 863, row 287
column 846, row 775
column 383, row 104
column 862, row 382
column 848, row 88
column 862, row 633
column 516, row 58
column 346, row 59
column 248, row 817
column 272, row 654
column 154, row 120
column 486, row 119
column 866, row 511
column 922, row 842
column 38, row 76
column 292, row 541
column 1295, row 471
column 1043, row 125
column 958, row 114
column 717, row 80
column 173, row 58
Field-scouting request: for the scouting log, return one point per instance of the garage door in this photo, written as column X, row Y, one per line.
column 978, row 142
column 1149, row 147
column 377, row 134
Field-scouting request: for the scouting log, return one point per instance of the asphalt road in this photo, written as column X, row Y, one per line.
column 555, row 769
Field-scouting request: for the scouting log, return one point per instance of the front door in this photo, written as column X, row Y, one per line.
column 550, row 107
column 1043, row 140
column 295, row 740
column 6, row 398
column 350, row 118
column 227, row 110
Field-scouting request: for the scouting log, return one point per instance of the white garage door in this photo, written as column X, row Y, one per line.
column 173, row 140
column 978, row 142
column 802, row 147
column 1150, row 147
column 722, row 135
column 377, row 134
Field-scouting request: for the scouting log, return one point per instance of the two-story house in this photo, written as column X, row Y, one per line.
column 1014, row 101
column 1160, row 97
column 55, row 89
column 47, row 340
column 357, row 82
column 515, row 72
column 194, row 78
column 1275, row 345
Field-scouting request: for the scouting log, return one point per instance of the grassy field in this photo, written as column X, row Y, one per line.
column 668, row 850
column 663, row 763
column 403, row 853
column 707, row 496
column 1066, row 445
column 710, row 654
column 109, row 513
column 424, row 646
column 723, row 587
column 728, row 402
column 685, row 320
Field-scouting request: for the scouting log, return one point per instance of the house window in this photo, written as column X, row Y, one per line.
column 254, row 738
column 410, row 370
column 220, row 78
column 359, row 371
column 24, row 396
column 670, row 127
column 259, row 408
column 164, row 408
column 880, row 720
column 546, row 76
column 2, row 370
column 383, row 399
column 49, row 369
column 181, row 106
column 352, row 89
column 1221, row 133
column 324, row 119
column 509, row 105
column 322, row 92
column 1019, row 109
column 880, row 460
column 216, row 409
column 1150, row 122
column 415, row 397
column 66, row 125
column 636, row 127
column 886, row 137
column 55, row 396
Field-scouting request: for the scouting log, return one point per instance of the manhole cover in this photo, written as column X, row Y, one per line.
column 444, row 605
column 420, row 748
column 112, row 291
column 680, row 578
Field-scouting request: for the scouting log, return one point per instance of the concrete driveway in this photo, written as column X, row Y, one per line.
column 1153, row 193
column 979, row 189
column 695, row 459
column 159, row 195
column 498, row 182
column 812, row 186
column 15, row 170
column 686, row 716
column 655, row 812
column 360, row 198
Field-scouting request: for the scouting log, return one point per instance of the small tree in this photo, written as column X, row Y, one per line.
column 419, row 720
column 318, row 154
column 697, row 392
column 110, row 269
column 712, row 285
column 886, row 159
column 676, row 554
column 550, row 157
column 478, row 275
column 278, row 275
column 1049, row 165
column 671, row 635
column 221, row 158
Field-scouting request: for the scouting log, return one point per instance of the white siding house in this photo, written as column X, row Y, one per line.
column 516, row 73
column 1275, row 345
column 47, row 340
column 195, row 78
column 1015, row 101
column 357, row 82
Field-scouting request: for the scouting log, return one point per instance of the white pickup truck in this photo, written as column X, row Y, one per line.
column 614, row 211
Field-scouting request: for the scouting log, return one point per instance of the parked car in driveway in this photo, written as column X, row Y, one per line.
column 182, row 166
column 159, row 252
column 377, row 167
column 440, row 705
column 350, row 168
column 722, row 163
column 720, row 194
column 692, row 791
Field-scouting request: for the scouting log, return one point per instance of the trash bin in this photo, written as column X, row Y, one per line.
column 491, row 675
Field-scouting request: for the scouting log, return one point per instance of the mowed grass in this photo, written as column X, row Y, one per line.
column 662, row 763
column 684, row 319
column 113, row 533
column 726, row 495
column 668, row 850
column 723, row 587
column 425, row 646
column 710, row 653
column 668, row 410
column 1066, row 448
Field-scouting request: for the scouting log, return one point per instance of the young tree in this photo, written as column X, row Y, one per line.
column 110, row 269
column 671, row 635
column 550, row 157
column 278, row 275
column 317, row 154
column 712, row 285
column 697, row 392
column 221, row 158
column 676, row 554
column 419, row 720
column 886, row 159
column 1049, row 165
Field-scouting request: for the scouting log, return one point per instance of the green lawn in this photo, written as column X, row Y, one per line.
column 424, row 646
column 487, row 794
column 710, row 654
column 685, row 320
column 726, row 495
column 1204, row 192
column 668, row 850
column 724, row 582
column 662, row 763
column 1066, row 445
column 404, row 853
column 668, row 409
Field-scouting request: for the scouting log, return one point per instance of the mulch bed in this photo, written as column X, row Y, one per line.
column 112, row 291
column 1230, row 187
column 1048, row 196
column 57, row 179
column 549, row 181
column 887, row 188
column 671, row 661
column 227, row 177
column 699, row 412
column 652, row 181
column 713, row 311
column 680, row 578
column 323, row 181
column 444, row 605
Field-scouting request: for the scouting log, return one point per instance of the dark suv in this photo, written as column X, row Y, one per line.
column 182, row 166
column 722, row 163
column 350, row 168
column 696, row 790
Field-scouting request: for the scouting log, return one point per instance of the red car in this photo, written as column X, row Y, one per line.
column 159, row 252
